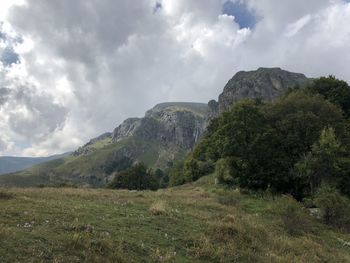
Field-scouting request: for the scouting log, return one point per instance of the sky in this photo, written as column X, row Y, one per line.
column 71, row 70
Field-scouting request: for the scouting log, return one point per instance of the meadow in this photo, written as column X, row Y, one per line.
column 196, row 222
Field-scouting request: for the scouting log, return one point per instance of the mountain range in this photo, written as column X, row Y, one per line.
column 164, row 135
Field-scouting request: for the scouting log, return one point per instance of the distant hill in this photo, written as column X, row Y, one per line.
column 166, row 133
column 9, row 164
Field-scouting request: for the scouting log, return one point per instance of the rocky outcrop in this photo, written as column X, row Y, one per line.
column 86, row 149
column 169, row 124
column 178, row 123
column 265, row 84
column 126, row 129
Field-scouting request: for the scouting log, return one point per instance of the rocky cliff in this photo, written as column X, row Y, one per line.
column 265, row 84
column 177, row 123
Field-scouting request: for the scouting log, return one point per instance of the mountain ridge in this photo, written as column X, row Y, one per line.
column 165, row 134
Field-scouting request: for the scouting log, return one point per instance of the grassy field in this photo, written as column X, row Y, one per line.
column 192, row 223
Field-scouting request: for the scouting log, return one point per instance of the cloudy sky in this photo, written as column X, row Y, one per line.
column 71, row 70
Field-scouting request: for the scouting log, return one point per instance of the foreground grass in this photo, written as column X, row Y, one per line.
column 192, row 223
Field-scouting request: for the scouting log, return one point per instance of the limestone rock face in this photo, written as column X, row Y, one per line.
column 178, row 123
column 169, row 127
column 126, row 129
column 265, row 84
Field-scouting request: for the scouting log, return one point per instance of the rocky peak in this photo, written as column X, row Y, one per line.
column 265, row 84
column 174, row 122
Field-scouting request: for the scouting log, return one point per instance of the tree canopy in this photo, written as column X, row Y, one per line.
column 290, row 145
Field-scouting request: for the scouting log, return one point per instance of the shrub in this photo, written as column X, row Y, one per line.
column 335, row 207
column 295, row 219
column 6, row 195
column 137, row 177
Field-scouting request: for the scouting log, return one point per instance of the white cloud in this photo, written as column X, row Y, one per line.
column 87, row 65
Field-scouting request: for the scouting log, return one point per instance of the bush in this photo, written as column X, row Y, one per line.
column 137, row 177
column 335, row 207
column 295, row 219
column 6, row 195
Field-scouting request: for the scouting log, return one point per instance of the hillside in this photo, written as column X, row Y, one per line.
column 166, row 133
column 10, row 164
column 192, row 223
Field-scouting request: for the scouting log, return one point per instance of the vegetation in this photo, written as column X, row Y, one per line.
column 334, row 90
column 138, row 177
column 260, row 160
column 289, row 146
column 191, row 223
column 335, row 208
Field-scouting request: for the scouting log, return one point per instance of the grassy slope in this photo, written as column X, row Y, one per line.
column 192, row 223
column 77, row 169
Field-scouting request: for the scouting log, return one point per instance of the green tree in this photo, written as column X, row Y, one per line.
column 243, row 135
column 138, row 177
column 176, row 174
column 321, row 164
column 335, row 90
column 299, row 118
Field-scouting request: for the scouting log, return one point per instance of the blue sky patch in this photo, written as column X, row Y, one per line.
column 9, row 56
column 243, row 16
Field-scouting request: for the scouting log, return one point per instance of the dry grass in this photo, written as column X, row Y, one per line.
column 183, row 224
column 158, row 208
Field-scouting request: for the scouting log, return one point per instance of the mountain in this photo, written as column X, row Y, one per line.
column 9, row 164
column 265, row 84
column 165, row 134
